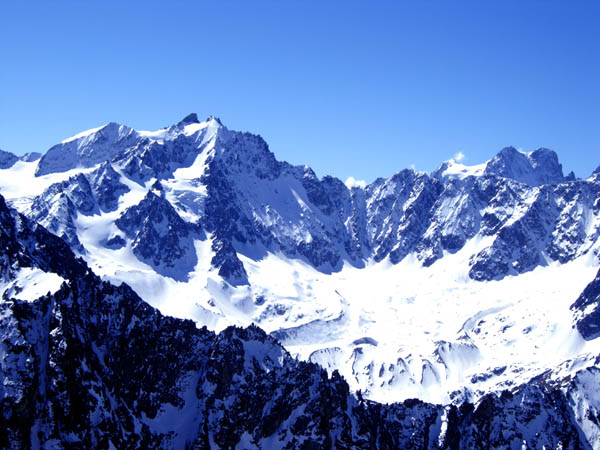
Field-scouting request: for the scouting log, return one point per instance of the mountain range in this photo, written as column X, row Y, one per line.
column 473, row 287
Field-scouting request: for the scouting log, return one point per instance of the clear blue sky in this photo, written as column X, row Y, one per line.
column 350, row 88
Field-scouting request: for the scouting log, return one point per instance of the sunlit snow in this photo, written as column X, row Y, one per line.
column 83, row 134
column 393, row 331
column 30, row 284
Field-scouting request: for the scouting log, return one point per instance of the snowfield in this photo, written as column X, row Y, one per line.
column 393, row 331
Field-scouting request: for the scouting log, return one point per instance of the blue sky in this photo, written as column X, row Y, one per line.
column 350, row 88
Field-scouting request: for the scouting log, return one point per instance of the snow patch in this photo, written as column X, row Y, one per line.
column 457, row 170
column 30, row 284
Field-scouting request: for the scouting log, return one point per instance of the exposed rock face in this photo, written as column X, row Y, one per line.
column 246, row 199
column 534, row 169
column 7, row 159
column 93, row 366
column 107, row 187
column 160, row 237
column 587, row 310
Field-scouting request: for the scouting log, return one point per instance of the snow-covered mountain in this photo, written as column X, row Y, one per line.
column 8, row 160
column 443, row 286
column 86, row 364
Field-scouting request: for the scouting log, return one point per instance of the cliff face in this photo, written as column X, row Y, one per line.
column 91, row 365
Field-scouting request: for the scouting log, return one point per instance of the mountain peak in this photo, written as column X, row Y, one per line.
column 214, row 119
column 509, row 151
column 31, row 156
column 189, row 119
column 536, row 168
column 544, row 157
column 86, row 149
column 7, row 159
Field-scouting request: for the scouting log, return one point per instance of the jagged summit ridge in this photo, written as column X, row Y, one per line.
column 86, row 149
column 536, row 168
column 118, row 144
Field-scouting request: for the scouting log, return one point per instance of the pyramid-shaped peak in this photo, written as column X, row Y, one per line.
column 189, row 119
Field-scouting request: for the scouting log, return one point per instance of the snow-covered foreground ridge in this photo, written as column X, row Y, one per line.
column 91, row 365
column 441, row 286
